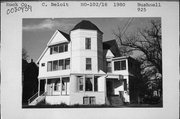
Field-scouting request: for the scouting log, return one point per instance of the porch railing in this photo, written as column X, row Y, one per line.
column 32, row 98
column 35, row 96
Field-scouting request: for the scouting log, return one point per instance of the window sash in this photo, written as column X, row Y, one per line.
column 81, row 83
column 92, row 100
column 86, row 100
column 67, row 63
column 59, row 48
column 89, row 100
column 89, row 84
column 65, row 47
column 49, row 66
column 88, row 43
column 55, row 65
column 58, row 65
column 123, row 65
column 88, row 64
column 109, row 67
column 120, row 65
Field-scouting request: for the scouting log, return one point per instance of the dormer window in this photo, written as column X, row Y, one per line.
column 87, row 43
column 59, row 48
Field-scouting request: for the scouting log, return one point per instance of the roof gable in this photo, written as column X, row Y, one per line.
column 112, row 46
column 109, row 54
column 58, row 37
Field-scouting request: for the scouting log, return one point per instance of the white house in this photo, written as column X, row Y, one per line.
column 80, row 68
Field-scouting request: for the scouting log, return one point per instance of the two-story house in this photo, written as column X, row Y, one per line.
column 79, row 68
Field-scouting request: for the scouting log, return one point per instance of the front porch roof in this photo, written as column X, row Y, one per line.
column 115, row 76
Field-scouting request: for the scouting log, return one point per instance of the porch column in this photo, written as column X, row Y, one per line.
column 105, row 88
column 46, row 86
column 39, row 86
column 84, row 83
column 60, row 78
column 93, row 83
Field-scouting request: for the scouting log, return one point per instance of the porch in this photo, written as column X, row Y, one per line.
column 116, row 90
column 54, row 90
column 55, row 86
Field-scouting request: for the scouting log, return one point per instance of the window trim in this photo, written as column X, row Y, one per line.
column 88, row 43
column 42, row 64
column 89, row 100
column 64, row 48
column 83, row 78
column 89, row 64
column 120, row 68
column 52, row 67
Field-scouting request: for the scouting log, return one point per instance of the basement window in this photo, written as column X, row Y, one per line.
column 89, row 100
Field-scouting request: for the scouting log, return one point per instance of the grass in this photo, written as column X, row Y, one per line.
column 63, row 105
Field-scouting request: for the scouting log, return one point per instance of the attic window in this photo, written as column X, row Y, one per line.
column 59, row 48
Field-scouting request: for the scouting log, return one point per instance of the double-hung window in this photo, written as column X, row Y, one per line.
column 109, row 67
column 87, row 83
column 87, row 43
column 88, row 64
column 81, row 83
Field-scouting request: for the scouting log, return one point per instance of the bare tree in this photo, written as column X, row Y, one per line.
column 148, row 42
column 24, row 54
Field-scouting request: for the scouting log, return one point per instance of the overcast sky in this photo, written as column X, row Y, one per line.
column 37, row 32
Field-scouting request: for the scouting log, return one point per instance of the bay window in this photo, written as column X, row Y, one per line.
column 87, row 83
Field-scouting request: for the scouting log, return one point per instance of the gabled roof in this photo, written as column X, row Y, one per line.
column 66, row 36
column 112, row 45
column 85, row 24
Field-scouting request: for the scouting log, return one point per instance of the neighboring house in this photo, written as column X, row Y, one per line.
column 29, row 80
column 82, row 69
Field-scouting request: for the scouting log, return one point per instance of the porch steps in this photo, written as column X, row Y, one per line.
column 38, row 99
column 115, row 101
